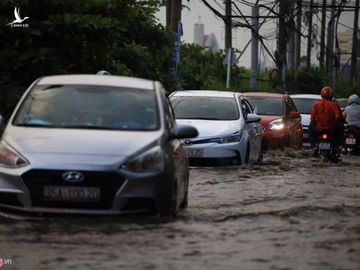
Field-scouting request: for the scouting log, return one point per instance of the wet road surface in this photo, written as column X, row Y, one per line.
column 291, row 211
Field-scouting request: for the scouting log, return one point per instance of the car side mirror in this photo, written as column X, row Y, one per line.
column 185, row 131
column 253, row 118
column 294, row 115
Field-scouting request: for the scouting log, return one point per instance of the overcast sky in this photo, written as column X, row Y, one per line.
column 241, row 36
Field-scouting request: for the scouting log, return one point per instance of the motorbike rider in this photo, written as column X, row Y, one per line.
column 326, row 116
column 352, row 111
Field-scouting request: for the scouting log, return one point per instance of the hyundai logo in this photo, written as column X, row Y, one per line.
column 187, row 141
column 73, row 177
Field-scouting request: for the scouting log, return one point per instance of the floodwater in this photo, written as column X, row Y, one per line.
column 291, row 211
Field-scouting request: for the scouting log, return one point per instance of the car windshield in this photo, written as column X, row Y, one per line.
column 304, row 105
column 267, row 105
column 89, row 107
column 207, row 108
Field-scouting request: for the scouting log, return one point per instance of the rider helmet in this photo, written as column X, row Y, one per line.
column 354, row 98
column 326, row 92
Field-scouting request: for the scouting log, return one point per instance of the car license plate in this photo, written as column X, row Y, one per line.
column 194, row 152
column 350, row 140
column 79, row 194
column 324, row 146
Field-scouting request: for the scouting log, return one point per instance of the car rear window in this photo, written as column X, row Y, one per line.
column 267, row 105
column 89, row 107
column 206, row 108
column 304, row 105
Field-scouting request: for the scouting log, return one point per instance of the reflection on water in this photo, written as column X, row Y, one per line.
column 290, row 212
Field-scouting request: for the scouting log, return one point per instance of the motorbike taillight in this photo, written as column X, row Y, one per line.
column 324, row 136
column 351, row 135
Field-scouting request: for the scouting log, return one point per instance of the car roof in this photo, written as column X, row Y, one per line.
column 204, row 93
column 263, row 94
column 309, row 96
column 107, row 80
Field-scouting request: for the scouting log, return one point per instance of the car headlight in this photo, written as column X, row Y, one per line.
column 149, row 161
column 9, row 158
column 277, row 124
column 230, row 139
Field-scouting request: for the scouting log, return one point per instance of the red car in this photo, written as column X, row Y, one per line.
column 279, row 117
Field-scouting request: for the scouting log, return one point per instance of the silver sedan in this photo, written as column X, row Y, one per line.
column 229, row 131
column 89, row 144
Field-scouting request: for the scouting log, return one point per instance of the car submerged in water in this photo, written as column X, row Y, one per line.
column 229, row 132
column 279, row 117
column 88, row 144
column 304, row 104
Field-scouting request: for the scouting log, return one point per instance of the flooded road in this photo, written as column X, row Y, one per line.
column 290, row 212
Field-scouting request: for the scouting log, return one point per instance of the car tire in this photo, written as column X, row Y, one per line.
column 185, row 202
column 171, row 209
column 247, row 156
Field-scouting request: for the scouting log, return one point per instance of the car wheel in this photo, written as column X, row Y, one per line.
column 247, row 153
column 170, row 211
column 185, row 202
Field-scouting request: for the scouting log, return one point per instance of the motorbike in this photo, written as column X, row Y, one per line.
column 326, row 147
column 352, row 140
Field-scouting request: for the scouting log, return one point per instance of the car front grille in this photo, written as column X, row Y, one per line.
column 201, row 141
column 107, row 182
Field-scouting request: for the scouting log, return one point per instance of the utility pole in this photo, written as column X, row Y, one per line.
column 309, row 44
column 228, row 40
column 228, row 25
column 254, row 46
column 298, row 35
column 175, row 16
column 322, row 35
column 282, row 40
column 168, row 13
column 291, row 38
column 354, row 45
column 330, row 42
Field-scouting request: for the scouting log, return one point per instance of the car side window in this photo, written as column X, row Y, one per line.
column 249, row 109
column 291, row 105
column 245, row 107
column 169, row 113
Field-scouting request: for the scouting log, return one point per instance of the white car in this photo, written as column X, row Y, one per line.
column 229, row 132
column 304, row 103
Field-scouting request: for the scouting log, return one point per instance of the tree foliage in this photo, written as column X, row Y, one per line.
column 203, row 69
column 80, row 36
column 306, row 81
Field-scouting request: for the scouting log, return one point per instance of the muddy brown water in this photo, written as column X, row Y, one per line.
column 291, row 211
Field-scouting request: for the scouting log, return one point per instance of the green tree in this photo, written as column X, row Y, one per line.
column 306, row 80
column 80, row 36
column 203, row 69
